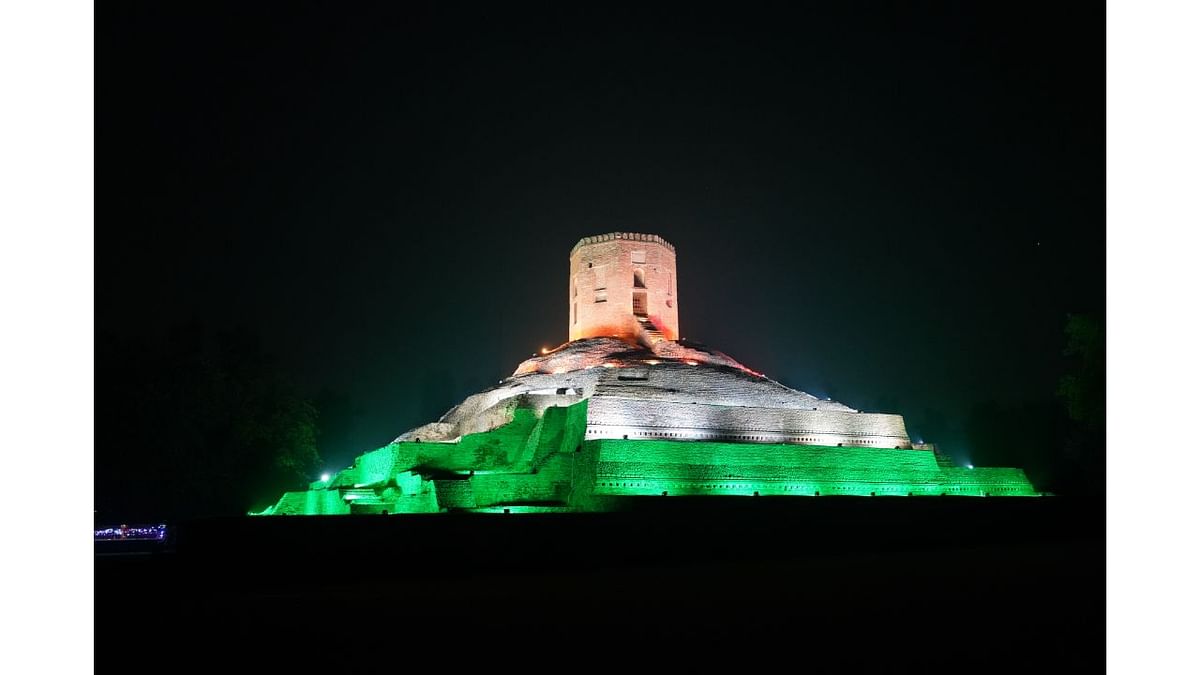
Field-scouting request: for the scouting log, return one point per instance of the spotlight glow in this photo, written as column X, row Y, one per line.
column 324, row 477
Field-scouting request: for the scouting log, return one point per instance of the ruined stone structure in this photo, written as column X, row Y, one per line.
column 626, row 410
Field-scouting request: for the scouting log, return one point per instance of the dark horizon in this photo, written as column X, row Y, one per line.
column 894, row 208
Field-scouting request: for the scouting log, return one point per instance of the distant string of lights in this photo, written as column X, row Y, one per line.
column 137, row 532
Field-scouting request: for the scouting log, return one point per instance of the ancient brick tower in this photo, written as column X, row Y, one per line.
column 623, row 284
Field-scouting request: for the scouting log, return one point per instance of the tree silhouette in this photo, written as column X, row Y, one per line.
column 196, row 424
column 1082, row 388
column 1082, row 391
column 1058, row 440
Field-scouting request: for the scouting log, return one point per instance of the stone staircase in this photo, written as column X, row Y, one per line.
column 652, row 333
column 365, row 495
column 943, row 461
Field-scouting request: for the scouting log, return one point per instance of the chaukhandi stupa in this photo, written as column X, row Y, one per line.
column 627, row 410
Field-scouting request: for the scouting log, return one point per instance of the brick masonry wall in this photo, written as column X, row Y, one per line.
column 637, row 419
column 601, row 286
column 645, row 468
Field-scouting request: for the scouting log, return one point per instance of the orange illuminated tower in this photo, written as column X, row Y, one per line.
column 623, row 284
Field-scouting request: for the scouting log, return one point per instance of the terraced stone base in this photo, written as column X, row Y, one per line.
column 539, row 463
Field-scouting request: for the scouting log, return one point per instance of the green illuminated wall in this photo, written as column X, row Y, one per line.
column 651, row 467
column 534, row 464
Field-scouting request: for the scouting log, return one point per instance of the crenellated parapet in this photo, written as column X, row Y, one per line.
column 627, row 236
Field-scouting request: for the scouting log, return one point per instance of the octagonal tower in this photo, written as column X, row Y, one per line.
column 623, row 284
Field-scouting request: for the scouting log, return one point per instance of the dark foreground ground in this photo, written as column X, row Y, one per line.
column 888, row 584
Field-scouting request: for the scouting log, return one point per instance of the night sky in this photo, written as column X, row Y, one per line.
column 895, row 207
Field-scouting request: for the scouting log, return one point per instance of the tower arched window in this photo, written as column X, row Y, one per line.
column 639, row 279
